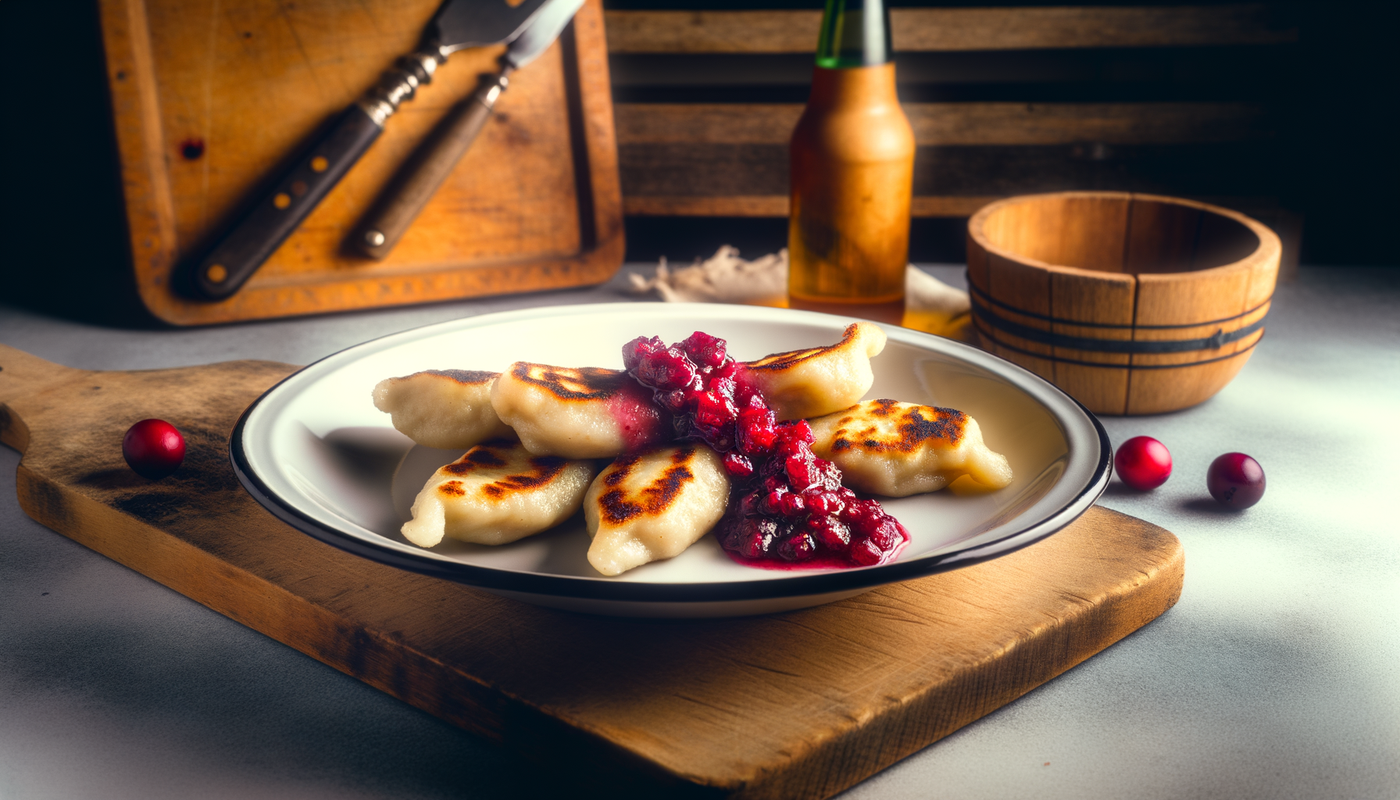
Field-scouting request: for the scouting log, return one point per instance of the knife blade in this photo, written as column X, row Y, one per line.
column 457, row 25
column 425, row 172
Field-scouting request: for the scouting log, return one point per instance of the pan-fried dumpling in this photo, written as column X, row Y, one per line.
column 449, row 409
column 898, row 449
column 577, row 412
column 650, row 506
column 497, row 493
column 809, row 383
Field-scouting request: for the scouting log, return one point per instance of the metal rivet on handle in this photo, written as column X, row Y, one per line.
column 374, row 238
column 216, row 273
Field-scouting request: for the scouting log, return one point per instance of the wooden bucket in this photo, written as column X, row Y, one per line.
column 1131, row 303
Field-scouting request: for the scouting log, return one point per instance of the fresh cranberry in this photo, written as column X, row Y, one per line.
column 153, row 448
column 1235, row 480
column 1143, row 463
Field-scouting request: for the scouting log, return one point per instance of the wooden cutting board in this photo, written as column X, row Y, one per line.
column 210, row 96
column 795, row 705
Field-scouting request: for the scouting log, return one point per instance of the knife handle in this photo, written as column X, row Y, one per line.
column 402, row 201
column 268, row 223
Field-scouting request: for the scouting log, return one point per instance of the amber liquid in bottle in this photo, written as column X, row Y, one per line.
column 852, row 159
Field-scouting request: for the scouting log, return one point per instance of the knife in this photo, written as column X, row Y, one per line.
column 405, row 197
column 457, row 25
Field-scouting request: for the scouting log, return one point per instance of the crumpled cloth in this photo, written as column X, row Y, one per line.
column 930, row 304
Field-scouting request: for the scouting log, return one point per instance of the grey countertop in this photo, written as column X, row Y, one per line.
column 1277, row 675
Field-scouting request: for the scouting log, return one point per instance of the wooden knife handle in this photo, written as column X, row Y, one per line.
column 263, row 229
column 405, row 197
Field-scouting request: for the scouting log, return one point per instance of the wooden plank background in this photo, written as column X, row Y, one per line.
column 1170, row 99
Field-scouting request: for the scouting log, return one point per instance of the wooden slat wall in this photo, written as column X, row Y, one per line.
column 958, row 123
column 953, row 29
column 730, row 158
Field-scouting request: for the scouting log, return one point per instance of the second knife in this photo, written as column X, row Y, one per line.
column 411, row 190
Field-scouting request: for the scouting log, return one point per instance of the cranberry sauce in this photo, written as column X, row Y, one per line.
column 641, row 423
column 788, row 508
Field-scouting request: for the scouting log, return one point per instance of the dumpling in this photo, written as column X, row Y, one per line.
column 578, row 412
column 649, row 506
column 497, row 493
column 809, row 383
column 898, row 449
column 448, row 409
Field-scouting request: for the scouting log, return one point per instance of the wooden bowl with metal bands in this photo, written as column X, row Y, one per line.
column 1130, row 303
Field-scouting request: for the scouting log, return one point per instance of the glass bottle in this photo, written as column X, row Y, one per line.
column 852, row 161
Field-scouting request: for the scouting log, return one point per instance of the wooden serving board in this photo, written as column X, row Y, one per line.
column 208, row 97
column 795, row 705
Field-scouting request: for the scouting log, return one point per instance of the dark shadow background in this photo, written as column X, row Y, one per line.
column 1333, row 161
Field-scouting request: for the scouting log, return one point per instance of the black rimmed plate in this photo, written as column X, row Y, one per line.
column 316, row 452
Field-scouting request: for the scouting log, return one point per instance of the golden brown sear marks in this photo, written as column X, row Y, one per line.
column 653, row 499
column 484, row 455
column 571, row 383
column 914, row 425
column 491, row 456
column 779, row 362
column 466, row 377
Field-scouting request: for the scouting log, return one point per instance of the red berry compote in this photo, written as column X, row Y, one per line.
column 787, row 508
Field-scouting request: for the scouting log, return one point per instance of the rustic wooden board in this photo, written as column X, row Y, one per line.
column 209, row 97
column 796, row 705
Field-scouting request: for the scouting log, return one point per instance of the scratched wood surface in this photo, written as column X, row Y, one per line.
column 795, row 705
column 209, row 97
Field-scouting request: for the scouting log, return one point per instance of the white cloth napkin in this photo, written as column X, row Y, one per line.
column 930, row 304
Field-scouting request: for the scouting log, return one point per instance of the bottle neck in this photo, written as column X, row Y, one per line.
column 855, row 33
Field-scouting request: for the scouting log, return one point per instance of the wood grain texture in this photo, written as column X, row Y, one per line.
column 729, row 159
column 1122, row 267
column 945, row 173
column 777, row 206
column 797, row 705
column 209, row 97
column 957, row 123
column 953, row 29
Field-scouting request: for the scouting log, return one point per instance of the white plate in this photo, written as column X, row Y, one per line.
column 316, row 452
